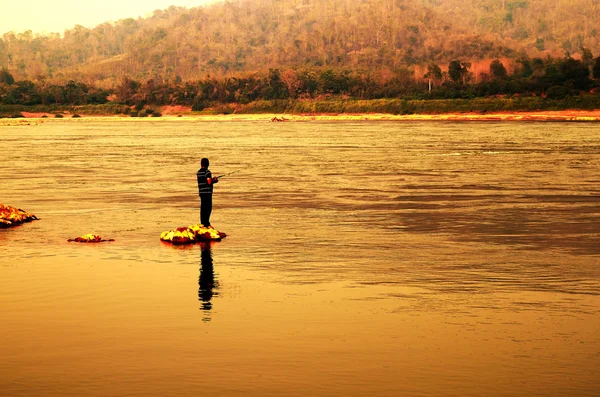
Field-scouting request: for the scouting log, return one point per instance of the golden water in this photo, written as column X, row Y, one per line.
column 363, row 259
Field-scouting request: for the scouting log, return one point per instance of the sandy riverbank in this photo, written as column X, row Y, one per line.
column 570, row 115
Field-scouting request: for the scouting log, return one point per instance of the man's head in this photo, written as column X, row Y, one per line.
column 204, row 163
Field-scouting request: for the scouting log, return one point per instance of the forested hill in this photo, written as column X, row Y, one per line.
column 244, row 36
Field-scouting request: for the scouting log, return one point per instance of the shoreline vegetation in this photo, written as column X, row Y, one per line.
column 543, row 89
column 488, row 109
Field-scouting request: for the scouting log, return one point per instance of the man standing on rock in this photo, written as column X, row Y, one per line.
column 205, row 190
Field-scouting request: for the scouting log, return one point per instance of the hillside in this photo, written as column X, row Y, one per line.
column 246, row 36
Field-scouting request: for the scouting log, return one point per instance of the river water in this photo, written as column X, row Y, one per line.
column 362, row 259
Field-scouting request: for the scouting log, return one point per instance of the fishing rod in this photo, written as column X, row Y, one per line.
column 230, row 173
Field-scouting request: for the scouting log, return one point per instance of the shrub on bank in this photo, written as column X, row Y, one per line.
column 264, row 106
column 339, row 105
column 224, row 109
column 103, row 109
column 148, row 112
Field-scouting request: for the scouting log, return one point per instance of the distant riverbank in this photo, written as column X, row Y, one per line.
column 579, row 116
column 487, row 109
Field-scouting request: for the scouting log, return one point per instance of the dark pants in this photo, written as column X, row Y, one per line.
column 205, row 208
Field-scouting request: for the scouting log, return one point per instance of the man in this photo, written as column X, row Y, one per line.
column 205, row 190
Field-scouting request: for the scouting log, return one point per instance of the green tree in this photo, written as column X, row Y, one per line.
column 127, row 90
column 333, row 83
column 497, row 69
column 455, row 71
column 25, row 92
column 75, row 93
column 275, row 89
column 574, row 71
column 596, row 68
column 433, row 72
column 308, row 83
column 587, row 57
column 54, row 94
column 458, row 71
column 6, row 77
column 525, row 70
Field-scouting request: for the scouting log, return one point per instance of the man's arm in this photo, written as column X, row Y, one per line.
column 210, row 179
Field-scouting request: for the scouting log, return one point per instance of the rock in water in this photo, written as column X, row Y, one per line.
column 89, row 238
column 11, row 216
column 192, row 234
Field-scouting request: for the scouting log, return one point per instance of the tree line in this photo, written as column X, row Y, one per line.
column 552, row 78
column 241, row 37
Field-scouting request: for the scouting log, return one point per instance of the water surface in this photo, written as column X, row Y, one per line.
column 371, row 258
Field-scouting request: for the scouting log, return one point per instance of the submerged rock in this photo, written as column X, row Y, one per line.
column 89, row 238
column 11, row 216
column 192, row 234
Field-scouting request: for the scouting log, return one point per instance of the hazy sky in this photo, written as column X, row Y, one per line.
column 57, row 15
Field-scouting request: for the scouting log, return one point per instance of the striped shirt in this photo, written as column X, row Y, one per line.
column 203, row 187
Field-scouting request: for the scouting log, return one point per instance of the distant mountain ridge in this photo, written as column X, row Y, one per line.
column 247, row 36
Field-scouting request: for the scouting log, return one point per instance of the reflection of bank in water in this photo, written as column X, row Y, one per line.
column 207, row 282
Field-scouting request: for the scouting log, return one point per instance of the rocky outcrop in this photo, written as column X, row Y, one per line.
column 11, row 216
column 192, row 234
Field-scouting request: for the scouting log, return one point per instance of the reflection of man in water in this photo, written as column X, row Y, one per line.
column 207, row 278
